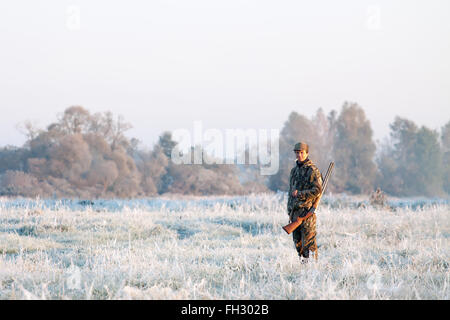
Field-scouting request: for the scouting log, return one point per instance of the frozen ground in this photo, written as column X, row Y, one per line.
column 221, row 248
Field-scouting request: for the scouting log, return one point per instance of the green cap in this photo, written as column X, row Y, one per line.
column 301, row 146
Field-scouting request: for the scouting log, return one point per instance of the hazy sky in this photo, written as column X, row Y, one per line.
column 163, row 64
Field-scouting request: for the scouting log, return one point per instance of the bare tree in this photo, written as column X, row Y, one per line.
column 112, row 130
column 354, row 151
column 103, row 173
column 29, row 129
column 75, row 120
column 70, row 159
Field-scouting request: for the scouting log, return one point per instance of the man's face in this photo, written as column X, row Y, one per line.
column 301, row 155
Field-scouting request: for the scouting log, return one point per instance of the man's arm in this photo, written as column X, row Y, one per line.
column 314, row 188
column 290, row 198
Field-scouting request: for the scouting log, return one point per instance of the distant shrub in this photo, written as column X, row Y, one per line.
column 14, row 182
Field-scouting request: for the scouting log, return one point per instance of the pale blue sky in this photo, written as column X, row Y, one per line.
column 231, row 64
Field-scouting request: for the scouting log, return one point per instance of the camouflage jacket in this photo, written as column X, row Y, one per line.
column 307, row 180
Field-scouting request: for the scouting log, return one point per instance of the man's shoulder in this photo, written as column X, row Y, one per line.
column 312, row 165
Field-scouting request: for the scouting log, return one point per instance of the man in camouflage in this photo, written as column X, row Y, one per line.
column 305, row 185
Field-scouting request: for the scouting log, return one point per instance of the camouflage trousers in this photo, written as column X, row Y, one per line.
column 305, row 237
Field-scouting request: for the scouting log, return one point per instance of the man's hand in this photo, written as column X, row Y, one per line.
column 298, row 194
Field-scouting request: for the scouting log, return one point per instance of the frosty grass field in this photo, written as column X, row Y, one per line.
column 220, row 248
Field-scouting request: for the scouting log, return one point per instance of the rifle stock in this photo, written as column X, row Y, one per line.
column 295, row 224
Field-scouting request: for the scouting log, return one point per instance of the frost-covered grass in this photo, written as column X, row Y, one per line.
column 222, row 251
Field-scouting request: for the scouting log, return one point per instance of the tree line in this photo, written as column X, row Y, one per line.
column 84, row 155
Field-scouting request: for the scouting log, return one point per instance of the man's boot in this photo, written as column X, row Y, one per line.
column 305, row 255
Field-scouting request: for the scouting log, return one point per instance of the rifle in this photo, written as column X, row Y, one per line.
column 295, row 224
